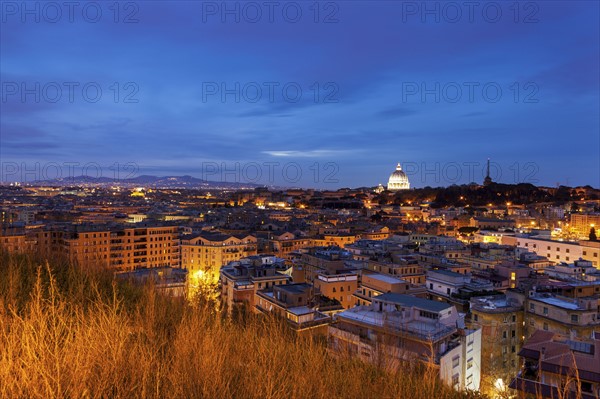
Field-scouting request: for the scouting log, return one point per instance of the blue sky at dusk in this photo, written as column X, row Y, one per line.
column 337, row 91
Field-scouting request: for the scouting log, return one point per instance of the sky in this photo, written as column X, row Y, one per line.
column 322, row 94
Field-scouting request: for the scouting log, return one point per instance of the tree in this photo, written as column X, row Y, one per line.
column 593, row 234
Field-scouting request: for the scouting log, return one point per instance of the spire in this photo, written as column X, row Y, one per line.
column 488, row 180
column 398, row 167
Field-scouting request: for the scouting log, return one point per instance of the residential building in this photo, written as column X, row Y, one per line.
column 575, row 317
column 240, row 280
column 298, row 306
column 399, row 328
column 374, row 284
column 502, row 333
column 340, row 286
column 581, row 224
column 555, row 366
column 203, row 254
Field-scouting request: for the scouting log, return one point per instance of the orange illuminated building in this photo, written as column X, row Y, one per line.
column 207, row 252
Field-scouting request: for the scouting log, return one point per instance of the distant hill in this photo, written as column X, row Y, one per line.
column 180, row 182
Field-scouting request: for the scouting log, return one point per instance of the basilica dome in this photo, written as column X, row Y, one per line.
column 398, row 180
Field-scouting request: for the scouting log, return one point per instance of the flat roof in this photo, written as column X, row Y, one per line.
column 447, row 273
column 412, row 301
column 297, row 288
column 558, row 302
column 300, row 310
column 384, row 278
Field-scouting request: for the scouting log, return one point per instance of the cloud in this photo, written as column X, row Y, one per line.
column 307, row 154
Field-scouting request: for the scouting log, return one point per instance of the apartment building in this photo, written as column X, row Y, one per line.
column 17, row 241
column 404, row 267
column 340, row 286
column 581, row 224
column 559, row 251
column 284, row 244
column 399, row 328
column 575, row 317
column 240, row 280
column 555, row 366
column 501, row 322
column 374, row 284
column 203, row 254
column 323, row 260
column 298, row 306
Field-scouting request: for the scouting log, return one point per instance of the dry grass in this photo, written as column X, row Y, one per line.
column 67, row 333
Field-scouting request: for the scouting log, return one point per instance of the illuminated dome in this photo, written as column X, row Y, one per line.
column 398, row 180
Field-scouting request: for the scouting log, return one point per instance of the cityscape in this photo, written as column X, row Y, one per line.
column 342, row 199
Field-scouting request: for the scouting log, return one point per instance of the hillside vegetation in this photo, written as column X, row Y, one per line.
column 66, row 333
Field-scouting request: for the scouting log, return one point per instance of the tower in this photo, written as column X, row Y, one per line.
column 488, row 180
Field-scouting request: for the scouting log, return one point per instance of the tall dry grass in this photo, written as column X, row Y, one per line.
column 68, row 333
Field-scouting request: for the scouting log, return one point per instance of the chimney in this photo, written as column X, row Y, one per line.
column 543, row 353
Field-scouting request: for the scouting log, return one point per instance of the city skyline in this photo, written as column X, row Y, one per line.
column 300, row 199
column 343, row 90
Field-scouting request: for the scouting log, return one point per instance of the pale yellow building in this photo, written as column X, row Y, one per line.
column 205, row 253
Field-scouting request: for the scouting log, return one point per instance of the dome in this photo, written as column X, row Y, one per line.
column 398, row 180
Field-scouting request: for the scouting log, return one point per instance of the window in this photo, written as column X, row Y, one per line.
column 514, row 318
column 455, row 379
column 504, row 334
column 532, row 307
column 469, row 363
column 513, row 349
column 574, row 318
column 455, row 361
column 476, row 317
column 513, row 333
column 545, row 326
column 545, row 310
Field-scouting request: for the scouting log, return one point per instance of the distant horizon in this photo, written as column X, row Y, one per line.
column 131, row 180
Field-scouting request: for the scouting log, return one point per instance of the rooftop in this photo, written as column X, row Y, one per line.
column 417, row 328
column 411, row 301
column 385, row 278
column 297, row 288
column 561, row 303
